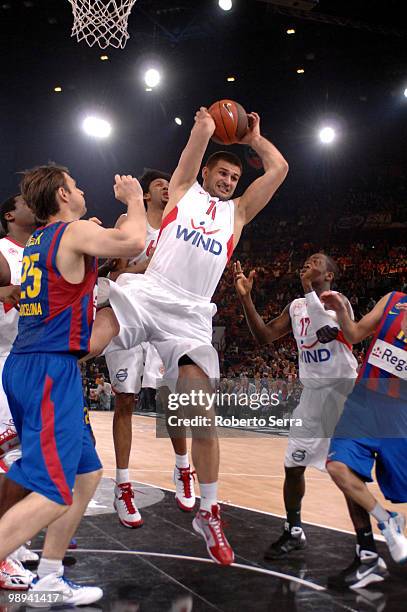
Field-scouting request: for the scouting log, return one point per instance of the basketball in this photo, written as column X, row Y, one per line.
column 231, row 121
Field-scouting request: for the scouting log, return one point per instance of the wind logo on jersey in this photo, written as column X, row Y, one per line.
column 389, row 358
column 199, row 239
column 316, row 356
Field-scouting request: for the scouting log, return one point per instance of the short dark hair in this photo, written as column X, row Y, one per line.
column 39, row 186
column 8, row 206
column 226, row 156
column 331, row 266
column 149, row 175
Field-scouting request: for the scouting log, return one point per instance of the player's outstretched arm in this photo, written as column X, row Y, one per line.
column 354, row 332
column 128, row 240
column 262, row 332
column 259, row 193
column 190, row 161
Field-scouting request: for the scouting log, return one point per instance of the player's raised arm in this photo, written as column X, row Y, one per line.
column 354, row 332
column 191, row 157
column 127, row 240
column 262, row 332
column 259, row 193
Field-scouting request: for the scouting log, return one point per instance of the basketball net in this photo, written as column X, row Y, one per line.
column 101, row 21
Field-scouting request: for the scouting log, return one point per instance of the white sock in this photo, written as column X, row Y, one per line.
column 209, row 495
column 380, row 514
column 122, row 476
column 50, row 566
column 181, row 461
column 317, row 313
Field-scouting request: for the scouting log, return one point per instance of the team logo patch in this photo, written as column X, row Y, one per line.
column 122, row 374
column 298, row 455
column 389, row 358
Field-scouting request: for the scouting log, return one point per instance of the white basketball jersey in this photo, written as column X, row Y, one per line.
column 13, row 253
column 320, row 362
column 195, row 244
column 151, row 240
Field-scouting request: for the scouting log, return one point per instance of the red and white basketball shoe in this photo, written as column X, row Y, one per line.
column 209, row 525
column 14, row 576
column 125, row 507
column 185, row 490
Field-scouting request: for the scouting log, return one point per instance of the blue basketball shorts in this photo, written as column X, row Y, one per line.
column 45, row 396
column 372, row 430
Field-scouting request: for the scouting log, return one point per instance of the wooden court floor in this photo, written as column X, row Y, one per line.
column 251, row 471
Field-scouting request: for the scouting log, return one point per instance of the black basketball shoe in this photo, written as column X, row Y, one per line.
column 291, row 539
column 366, row 568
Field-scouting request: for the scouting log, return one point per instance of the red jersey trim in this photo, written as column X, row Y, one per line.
column 172, row 215
column 48, row 443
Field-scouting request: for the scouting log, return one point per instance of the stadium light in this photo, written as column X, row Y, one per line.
column 96, row 127
column 225, row 5
column 152, row 77
column 327, row 135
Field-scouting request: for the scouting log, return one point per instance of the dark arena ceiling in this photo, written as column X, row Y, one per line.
column 353, row 54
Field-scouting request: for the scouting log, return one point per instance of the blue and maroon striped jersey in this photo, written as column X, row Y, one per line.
column 55, row 316
column 385, row 366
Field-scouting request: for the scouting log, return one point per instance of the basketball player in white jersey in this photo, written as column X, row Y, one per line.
column 170, row 305
column 18, row 223
column 126, row 369
column 327, row 375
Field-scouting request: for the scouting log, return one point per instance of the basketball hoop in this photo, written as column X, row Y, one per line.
column 101, row 21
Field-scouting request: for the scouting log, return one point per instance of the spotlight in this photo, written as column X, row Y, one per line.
column 231, row 79
column 300, row 70
column 104, row 58
column 96, row 127
column 58, row 89
column 225, row 5
column 405, row 92
column 291, row 31
column 178, row 120
column 327, row 135
column 152, row 77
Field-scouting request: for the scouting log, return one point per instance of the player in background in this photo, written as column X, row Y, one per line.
column 170, row 305
column 18, row 222
column 327, row 377
column 41, row 377
column 373, row 428
column 127, row 371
